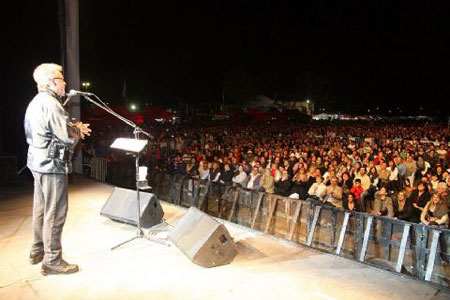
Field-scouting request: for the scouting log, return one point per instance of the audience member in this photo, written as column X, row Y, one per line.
column 403, row 208
column 350, row 204
column 383, row 205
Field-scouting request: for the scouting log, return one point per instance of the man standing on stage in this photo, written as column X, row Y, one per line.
column 51, row 139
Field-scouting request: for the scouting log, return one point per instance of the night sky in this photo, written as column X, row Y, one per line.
column 346, row 56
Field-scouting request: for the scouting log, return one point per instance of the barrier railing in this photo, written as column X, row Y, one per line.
column 407, row 248
column 96, row 168
column 411, row 249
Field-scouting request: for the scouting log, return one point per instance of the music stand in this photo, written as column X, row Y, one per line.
column 135, row 146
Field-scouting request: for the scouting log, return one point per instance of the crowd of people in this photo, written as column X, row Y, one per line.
column 396, row 169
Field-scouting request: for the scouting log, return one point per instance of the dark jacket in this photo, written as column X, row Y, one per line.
column 301, row 188
column 420, row 201
column 283, row 188
column 357, row 207
column 226, row 176
column 407, row 214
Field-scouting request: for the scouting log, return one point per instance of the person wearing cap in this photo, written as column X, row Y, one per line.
column 249, row 156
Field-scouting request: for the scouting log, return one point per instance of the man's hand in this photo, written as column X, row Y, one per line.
column 84, row 129
column 329, row 190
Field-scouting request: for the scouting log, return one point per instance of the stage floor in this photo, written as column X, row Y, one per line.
column 265, row 267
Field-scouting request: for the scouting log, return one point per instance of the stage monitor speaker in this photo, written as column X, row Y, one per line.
column 203, row 240
column 121, row 206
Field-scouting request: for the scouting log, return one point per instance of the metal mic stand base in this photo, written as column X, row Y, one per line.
column 140, row 235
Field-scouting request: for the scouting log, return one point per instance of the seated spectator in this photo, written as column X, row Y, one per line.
column 383, row 174
column 440, row 172
column 279, row 173
column 393, row 178
column 349, row 203
column 254, row 178
column 369, row 195
column 403, row 208
column 247, row 167
column 443, row 191
column 422, row 167
column 401, row 167
column 300, row 187
column 327, row 175
column 419, row 198
column 435, row 212
column 313, row 173
column 346, row 183
column 357, row 190
column 333, row 193
column 383, row 205
column 318, row 190
column 239, row 177
column 434, row 182
column 364, row 179
column 283, row 186
column 411, row 168
column 226, row 176
column 267, row 182
column 274, row 170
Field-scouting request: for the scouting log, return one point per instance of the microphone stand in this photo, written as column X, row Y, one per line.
column 137, row 130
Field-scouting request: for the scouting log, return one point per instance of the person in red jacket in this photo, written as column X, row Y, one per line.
column 357, row 190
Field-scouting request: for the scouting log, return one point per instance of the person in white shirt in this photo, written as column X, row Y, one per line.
column 203, row 170
column 240, row 176
column 318, row 189
column 393, row 177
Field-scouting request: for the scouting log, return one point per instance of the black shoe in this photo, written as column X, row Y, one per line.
column 36, row 257
column 62, row 268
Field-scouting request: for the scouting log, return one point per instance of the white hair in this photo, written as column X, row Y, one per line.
column 442, row 184
column 44, row 73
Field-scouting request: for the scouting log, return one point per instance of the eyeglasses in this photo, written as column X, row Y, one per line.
column 60, row 78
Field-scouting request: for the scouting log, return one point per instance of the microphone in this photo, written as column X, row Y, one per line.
column 73, row 93
column 76, row 93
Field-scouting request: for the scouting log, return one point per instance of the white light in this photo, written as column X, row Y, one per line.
column 307, row 101
column 133, row 106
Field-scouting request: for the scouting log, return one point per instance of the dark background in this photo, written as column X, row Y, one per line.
column 346, row 56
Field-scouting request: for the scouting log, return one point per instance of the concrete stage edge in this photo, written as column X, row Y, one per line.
column 265, row 267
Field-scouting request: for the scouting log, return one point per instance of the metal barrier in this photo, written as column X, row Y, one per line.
column 411, row 249
column 97, row 168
